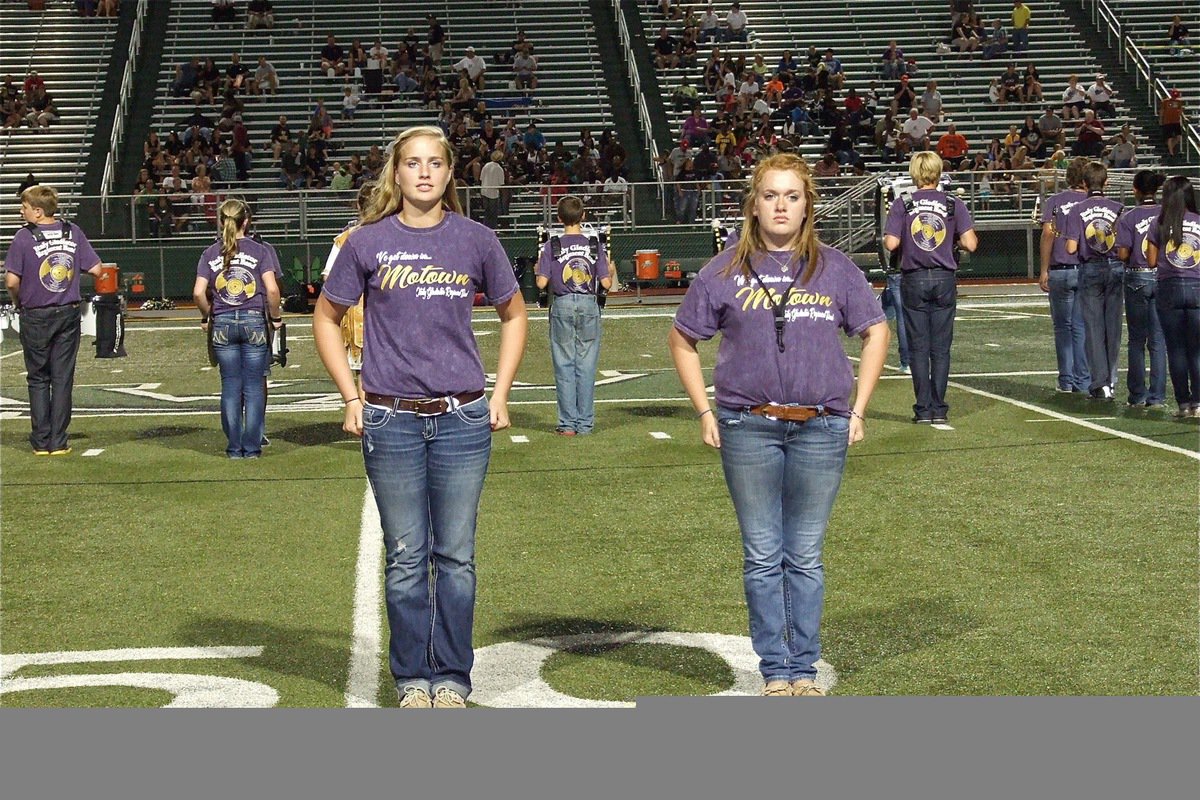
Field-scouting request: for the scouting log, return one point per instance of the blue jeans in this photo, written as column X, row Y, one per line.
column 1145, row 333
column 427, row 475
column 50, row 340
column 686, row 203
column 240, row 344
column 783, row 478
column 1020, row 39
column 891, row 300
column 1066, row 314
column 929, row 297
column 575, row 349
column 1179, row 309
column 1100, row 294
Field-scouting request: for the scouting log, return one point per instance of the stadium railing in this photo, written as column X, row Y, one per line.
column 123, row 104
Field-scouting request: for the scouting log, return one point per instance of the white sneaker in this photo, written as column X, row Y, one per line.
column 445, row 697
column 415, row 698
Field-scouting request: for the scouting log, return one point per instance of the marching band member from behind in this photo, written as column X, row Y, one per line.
column 239, row 272
column 1174, row 248
column 784, row 419
column 1141, row 286
column 424, row 419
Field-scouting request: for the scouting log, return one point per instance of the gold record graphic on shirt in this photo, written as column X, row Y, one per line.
column 1185, row 255
column 928, row 231
column 56, row 271
column 235, row 285
column 576, row 274
column 1100, row 235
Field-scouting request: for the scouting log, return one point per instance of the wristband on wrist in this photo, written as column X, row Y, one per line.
column 854, row 413
column 351, row 400
column 702, row 413
column 204, row 320
column 276, row 319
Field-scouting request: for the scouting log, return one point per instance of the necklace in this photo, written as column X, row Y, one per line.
column 777, row 306
column 783, row 265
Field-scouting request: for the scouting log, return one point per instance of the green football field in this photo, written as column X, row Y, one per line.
column 1040, row 544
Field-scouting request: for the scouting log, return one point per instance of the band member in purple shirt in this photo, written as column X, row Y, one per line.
column 783, row 419
column 1141, row 286
column 43, row 266
column 1092, row 234
column 424, row 419
column 237, row 294
column 925, row 228
column 1174, row 249
column 1060, row 279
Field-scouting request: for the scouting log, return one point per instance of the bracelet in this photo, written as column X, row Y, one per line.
column 276, row 319
column 204, row 320
column 854, row 413
column 702, row 413
column 351, row 400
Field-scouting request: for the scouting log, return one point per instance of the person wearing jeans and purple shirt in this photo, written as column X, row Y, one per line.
column 424, row 419
column 1141, row 311
column 43, row 265
column 1060, row 279
column 1174, row 249
column 572, row 275
column 244, row 300
column 783, row 420
column 925, row 229
column 1092, row 234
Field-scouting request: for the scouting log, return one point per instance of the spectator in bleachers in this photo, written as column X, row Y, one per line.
column 201, row 198
column 960, row 10
column 405, row 81
column 684, row 97
column 788, row 66
column 840, row 145
column 186, row 76
column 687, row 192
column 340, row 179
column 534, row 138
column 357, row 169
column 152, row 146
column 474, row 67
column 235, row 73
column 736, row 23
column 241, row 149
column 995, row 40
column 827, row 167
column 833, row 65
column 689, row 50
column 33, row 81
column 150, row 208
column 1089, row 136
column 436, row 39
column 1100, row 96
column 316, row 168
column 672, row 162
column 1074, row 99
column 223, row 11
column 524, row 66
column 931, row 102
column 1033, row 84
column 696, row 128
column 356, row 57
column 333, row 57
column 320, row 119
column 260, row 14
column 196, row 124
column 666, row 55
column 1011, row 85
column 710, row 25
column 291, row 167
column 1051, row 128
column 1012, row 140
column 492, row 177
column 1178, row 36
column 29, row 180
column 891, row 62
column 281, row 137
column 40, row 110
column 952, row 146
column 431, row 88
column 964, row 37
column 86, row 8
column 209, row 80
column 178, row 198
column 1020, row 26
column 773, row 91
column 464, row 98
column 903, row 96
column 266, row 78
column 1031, row 138
column 1170, row 120
column 669, row 9
column 1122, row 155
column 230, row 105
column 914, row 133
column 350, row 100
column 994, row 91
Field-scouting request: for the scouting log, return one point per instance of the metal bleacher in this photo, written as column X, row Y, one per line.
column 571, row 94
column 72, row 55
column 859, row 31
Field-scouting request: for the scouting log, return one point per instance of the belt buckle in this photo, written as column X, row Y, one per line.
column 431, row 402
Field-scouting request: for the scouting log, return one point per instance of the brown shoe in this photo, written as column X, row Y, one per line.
column 445, row 697
column 806, row 688
column 777, row 689
column 415, row 698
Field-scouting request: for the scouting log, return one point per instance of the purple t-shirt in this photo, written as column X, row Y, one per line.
column 1179, row 260
column 49, row 270
column 1055, row 212
column 813, row 369
column 927, row 234
column 1093, row 224
column 577, row 270
column 420, row 286
column 1132, row 228
column 239, row 288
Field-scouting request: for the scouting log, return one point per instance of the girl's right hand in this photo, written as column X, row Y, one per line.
column 710, row 432
column 352, row 422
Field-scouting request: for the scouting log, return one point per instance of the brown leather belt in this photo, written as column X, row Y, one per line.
column 424, row 406
column 789, row 413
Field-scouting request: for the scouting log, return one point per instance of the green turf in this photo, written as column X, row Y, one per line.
column 1003, row 557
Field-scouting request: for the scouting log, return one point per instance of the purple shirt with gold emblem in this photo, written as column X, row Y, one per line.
column 49, row 270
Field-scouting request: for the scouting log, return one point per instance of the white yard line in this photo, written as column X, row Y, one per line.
column 362, row 684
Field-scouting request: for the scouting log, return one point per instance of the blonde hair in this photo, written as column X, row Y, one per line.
column 806, row 246
column 386, row 199
column 925, row 168
column 43, row 197
column 232, row 217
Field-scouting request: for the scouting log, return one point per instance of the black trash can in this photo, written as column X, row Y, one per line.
column 110, row 326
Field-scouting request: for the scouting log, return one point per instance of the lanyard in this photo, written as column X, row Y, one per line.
column 776, row 307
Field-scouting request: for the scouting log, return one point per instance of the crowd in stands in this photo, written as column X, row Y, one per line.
column 105, row 9
column 28, row 104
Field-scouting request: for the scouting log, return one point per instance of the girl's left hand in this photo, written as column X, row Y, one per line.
column 500, row 416
column 858, row 430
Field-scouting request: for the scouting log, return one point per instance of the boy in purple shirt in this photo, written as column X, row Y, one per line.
column 1141, row 313
column 1060, row 279
column 784, row 419
column 44, row 262
column 573, row 266
column 424, row 419
column 924, row 228
column 1092, row 234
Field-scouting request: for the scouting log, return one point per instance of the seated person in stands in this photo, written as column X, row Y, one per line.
column 524, row 67
column 196, row 124
column 1033, row 84
column 186, row 77
column 773, row 91
column 356, row 57
column 903, row 97
column 517, row 46
column 281, row 137
column 833, row 65
column 464, row 98
column 179, row 200
column 405, row 81
column 1051, row 128
column 684, row 96
column 931, row 102
column 292, row 167
column 260, row 14
column 840, row 145
column 474, row 67
column 666, row 53
column 952, row 147
column 1012, row 140
column 914, row 133
column 1178, row 36
column 1031, row 138
column 235, row 74
column 891, row 62
column 333, row 57
column 1074, row 99
column 150, row 208
column 1089, row 136
column 320, row 119
column 736, row 24
column 827, row 167
column 963, row 37
column 995, row 41
column 315, row 169
column 350, row 100
column 788, row 66
column 696, row 128
column 688, row 49
column 223, row 11
column 710, row 25
column 1123, row 154
column 534, row 138
column 1011, row 85
column 40, row 109
column 1100, row 96
column 209, row 80
column 265, row 79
